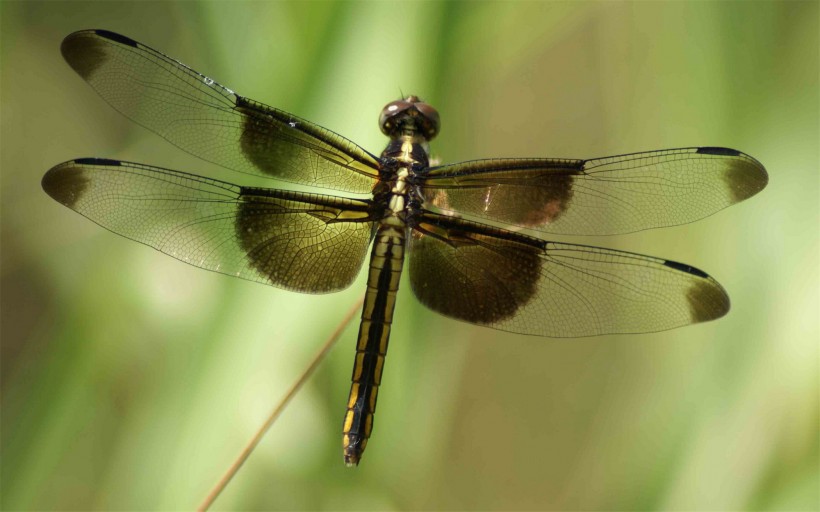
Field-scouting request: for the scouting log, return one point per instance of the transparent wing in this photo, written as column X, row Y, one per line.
column 212, row 122
column 513, row 282
column 297, row 241
column 601, row 196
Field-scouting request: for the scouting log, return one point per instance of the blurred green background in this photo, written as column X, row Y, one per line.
column 131, row 380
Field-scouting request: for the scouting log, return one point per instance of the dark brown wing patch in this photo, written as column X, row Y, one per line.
column 210, row 121
column 303, row 242
column 299, row 245
column 470, row 276
column 513, row 282
column 600, row 196
column 531, row 193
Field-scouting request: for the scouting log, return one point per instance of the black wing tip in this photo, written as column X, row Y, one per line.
column 105, row 34
column 714, row 150
column 756, row 179
column 96, row 161
column 706, row 297
column 745, row 175
column 686, row 268
column 83, row 51
column 86, row 50
column 707, row 301
column 66, row 182
column 118, row 38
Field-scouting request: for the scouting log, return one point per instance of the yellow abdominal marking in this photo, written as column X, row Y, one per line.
column 348, row 421
column 354, row 394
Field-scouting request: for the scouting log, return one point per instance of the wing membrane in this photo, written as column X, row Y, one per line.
column 513, row 282
column 212, row 122
column 293, row 240
column 601, row 196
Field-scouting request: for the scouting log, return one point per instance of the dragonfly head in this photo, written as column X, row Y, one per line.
column 410, row 114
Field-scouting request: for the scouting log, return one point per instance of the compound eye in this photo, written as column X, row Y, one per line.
column 430, row 119
column 389, row 112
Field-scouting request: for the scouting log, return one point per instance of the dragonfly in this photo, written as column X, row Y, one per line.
column 472, row 232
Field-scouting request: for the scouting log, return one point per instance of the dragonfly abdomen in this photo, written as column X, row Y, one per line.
column 384, row 273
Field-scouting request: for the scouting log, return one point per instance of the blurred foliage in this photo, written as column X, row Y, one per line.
column 130, row 380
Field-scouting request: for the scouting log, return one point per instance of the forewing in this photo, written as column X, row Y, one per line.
column 512, row 282
column 601, row 196
column 297, row 241
column 212, row 122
